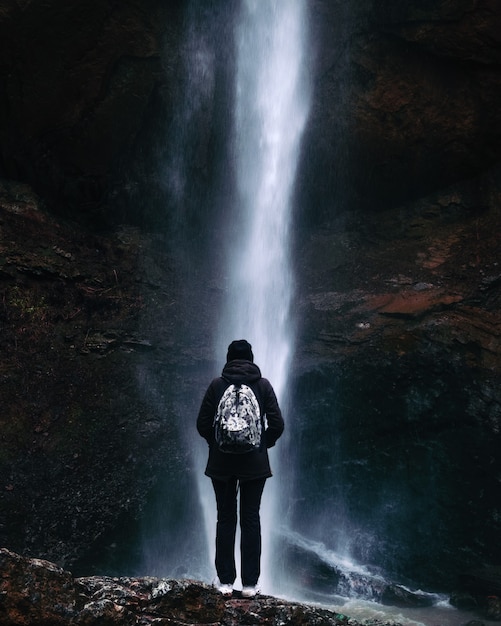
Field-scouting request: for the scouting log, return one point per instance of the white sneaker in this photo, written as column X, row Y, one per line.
column 226, row 590
column 249, row 592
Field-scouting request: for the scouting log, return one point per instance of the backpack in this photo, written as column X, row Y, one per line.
column 237, row 423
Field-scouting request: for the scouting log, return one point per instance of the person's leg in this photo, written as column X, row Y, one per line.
column 226, row 499
column 250, row 524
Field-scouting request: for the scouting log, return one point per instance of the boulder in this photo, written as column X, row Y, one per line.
column 481, row 589
column 38, row 593
column 34, row 591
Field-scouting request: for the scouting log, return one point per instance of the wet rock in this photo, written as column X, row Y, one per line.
column 396, row 595
column 34, row 591
column 493, row 609
column 323, row 576
column 38, row 593
column 480, row 589
column 104, row 612
column 463, row 600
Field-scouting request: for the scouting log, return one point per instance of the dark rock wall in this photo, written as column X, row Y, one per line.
column 79, row 81
column 397, row 258
column 405, row 101
column 80, row 441
column 398, row 357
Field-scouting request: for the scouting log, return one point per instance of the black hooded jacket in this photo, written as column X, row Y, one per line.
column 251, row 465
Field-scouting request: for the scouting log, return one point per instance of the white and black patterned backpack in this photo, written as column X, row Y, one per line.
column 237, row 423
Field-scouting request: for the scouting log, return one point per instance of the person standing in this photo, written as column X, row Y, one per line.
column 246, row 472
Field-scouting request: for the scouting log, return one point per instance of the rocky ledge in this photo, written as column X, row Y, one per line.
column 38, row 592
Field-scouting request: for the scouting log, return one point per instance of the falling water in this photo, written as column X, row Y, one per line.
column 271, row 108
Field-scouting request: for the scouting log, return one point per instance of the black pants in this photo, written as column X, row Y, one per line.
column 250, row 527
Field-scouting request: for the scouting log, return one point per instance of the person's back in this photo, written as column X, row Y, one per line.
column 247, row 472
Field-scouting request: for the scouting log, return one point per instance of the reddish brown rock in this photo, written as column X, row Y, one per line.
column 34, row 591
column 38, row 593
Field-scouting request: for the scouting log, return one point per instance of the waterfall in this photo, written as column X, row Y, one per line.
column 249, row 97
column 270, row 112
column 271, row 108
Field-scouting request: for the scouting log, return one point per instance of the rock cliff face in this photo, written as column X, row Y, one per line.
column 404, row 100
column 400, row 283
column 76, row 457
column 81, row 82
column 397, row 256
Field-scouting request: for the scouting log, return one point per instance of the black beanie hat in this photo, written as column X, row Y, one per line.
column 240, row 349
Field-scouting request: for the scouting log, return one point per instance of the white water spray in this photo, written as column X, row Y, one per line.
column 271, row 111
column 272, row 102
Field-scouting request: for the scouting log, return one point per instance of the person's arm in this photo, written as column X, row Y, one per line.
column 273, row 417
column 205, row 419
